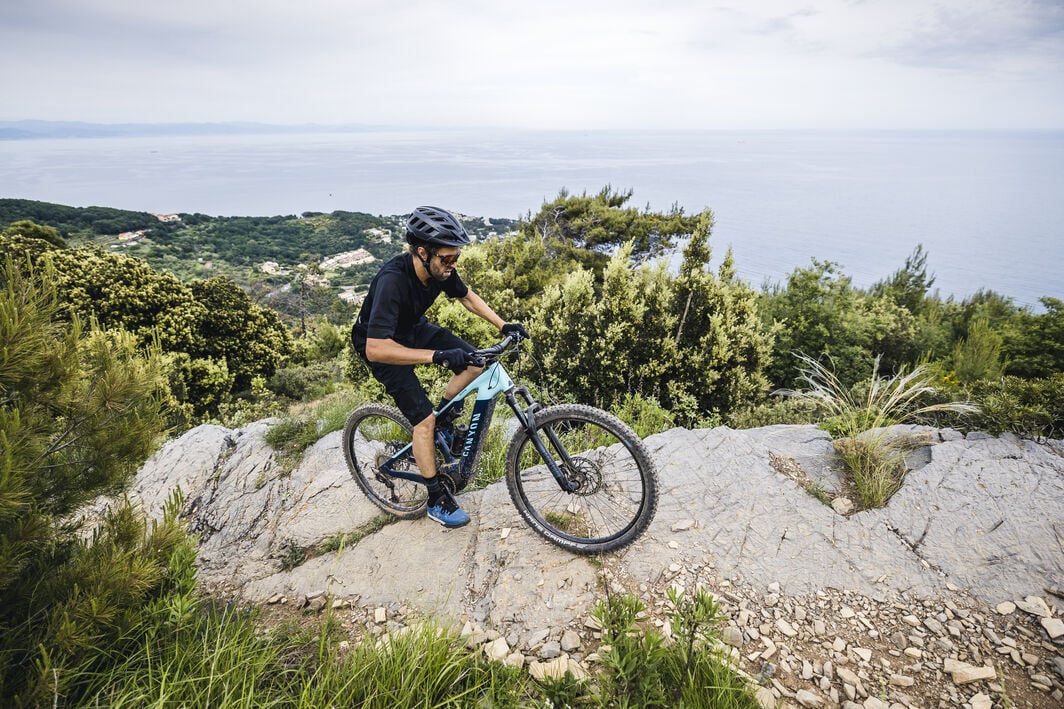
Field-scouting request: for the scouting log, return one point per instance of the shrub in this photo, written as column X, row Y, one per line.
column 1032, row 408
column 644, row 414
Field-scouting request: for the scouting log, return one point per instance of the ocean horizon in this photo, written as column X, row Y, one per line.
column 987, row 207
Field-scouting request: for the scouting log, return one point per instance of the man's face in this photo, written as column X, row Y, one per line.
column 441, row 264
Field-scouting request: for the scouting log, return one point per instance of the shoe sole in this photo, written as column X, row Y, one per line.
column 445, row 524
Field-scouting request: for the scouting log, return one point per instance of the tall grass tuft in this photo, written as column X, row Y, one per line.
column 296, row 431
column 859, row 420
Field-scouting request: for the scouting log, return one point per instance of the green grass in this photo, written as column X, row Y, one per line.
column 296, row 431
column 859, row 418
column 208, row 654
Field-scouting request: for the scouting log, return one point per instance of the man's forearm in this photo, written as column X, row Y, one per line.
column 476, row 305
column 388, row 351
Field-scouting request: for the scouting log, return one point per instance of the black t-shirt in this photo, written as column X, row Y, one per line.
column 397, row 301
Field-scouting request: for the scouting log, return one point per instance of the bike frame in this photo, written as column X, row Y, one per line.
column 489, row 384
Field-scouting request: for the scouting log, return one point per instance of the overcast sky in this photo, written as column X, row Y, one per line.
column 538, row 63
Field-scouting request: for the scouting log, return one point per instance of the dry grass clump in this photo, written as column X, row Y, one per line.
column 860, row 417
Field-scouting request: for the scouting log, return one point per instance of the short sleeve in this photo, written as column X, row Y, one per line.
column 454, row 287
column 384, row 317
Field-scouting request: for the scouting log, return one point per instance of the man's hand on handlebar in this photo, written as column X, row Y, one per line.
column 516, row 329
column 457, row 360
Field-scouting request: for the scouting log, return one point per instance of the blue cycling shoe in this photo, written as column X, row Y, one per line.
column 447, row 512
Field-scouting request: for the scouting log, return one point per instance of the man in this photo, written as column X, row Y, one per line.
column 392, row 334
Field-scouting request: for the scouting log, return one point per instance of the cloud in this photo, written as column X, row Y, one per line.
column 626, row 63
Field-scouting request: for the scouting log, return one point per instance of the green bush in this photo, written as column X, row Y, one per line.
column 306, row 382
column 644, row 414
column 1032, row 408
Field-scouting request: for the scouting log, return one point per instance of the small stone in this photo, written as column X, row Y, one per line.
column 808, row 699
column 846, row 612
column 981, row 701
column 683, row 525
column 934, row 626
column 1035, row 605
column 497, row 650
column 537, row 637
column 732, row 636
column 874, row 703
column 912, row 620
column 1053, row 626
column 550, row 650
column 913, row 652
column 765, row 698
column 514, row 659
column 963, row 673
column 276, row 598
column 863, row 653
column 848, row 676
column 380, row 615
column 553, row 670
column 902, row 681
column 570, row 641
column 819, row 627
column 1005, row 607
column 786, row 628
column 842, row 505
column 1058, row 663
column 504, row 533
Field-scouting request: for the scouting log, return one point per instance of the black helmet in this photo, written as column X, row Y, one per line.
column 435, row 226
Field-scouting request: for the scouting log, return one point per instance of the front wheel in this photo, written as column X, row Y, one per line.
column 374, row 433
column 616, row 487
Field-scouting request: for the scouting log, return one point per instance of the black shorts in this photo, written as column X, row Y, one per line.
column 400, row 381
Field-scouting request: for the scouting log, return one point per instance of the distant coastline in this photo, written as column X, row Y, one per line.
column 984, row 205
column 51, row 130
column 34, row 129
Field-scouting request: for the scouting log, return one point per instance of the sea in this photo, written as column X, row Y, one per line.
column 987, row 207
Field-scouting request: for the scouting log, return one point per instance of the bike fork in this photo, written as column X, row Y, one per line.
column 527, row 418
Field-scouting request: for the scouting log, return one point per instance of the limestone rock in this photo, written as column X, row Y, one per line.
column 1053, row 626
column 964, row 673
column 1035, row 605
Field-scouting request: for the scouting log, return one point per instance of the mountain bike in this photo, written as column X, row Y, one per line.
column 579, row 476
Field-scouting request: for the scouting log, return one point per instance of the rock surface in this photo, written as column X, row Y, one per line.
column 825, row 609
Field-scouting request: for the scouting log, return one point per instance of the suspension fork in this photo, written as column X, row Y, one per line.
column 527, row 418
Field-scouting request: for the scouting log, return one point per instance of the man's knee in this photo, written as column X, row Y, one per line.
column 426, row 424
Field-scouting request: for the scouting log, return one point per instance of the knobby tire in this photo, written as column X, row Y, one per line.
column 617, row 493
column 372, row 434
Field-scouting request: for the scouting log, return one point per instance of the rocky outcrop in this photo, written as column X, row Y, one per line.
column 978, row 523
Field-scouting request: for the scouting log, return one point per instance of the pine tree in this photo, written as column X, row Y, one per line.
column 79, row 410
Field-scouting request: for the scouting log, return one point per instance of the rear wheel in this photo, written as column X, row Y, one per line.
column 373, row 434
column 616, row 490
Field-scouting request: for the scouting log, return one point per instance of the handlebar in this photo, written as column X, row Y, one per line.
column 493, row 353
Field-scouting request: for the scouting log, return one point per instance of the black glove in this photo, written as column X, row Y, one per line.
column 516, row 329
column 455, row 360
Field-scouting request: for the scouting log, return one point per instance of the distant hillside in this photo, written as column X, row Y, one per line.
column 262, row 254
column 34, row 129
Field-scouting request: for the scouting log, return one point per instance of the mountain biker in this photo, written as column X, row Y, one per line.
column 392, row 335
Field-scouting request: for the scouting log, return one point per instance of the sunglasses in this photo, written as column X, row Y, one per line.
column 449, row 260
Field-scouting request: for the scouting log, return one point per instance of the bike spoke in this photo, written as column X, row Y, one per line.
column 373, row 436
column 612, row 494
